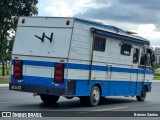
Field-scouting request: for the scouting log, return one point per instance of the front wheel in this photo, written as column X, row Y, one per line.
column 142, row 96
column 52, row 99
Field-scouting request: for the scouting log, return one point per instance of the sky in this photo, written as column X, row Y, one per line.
column 140, row 16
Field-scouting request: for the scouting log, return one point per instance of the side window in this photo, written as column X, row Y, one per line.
column 99, row 44
column 135, row 55
column 125, row 49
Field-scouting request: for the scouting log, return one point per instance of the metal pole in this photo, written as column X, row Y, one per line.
column 91, row 61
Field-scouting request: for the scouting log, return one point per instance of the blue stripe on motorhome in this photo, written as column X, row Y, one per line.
column 99, row 25
column 85, row 67
column 110, row 88
column 37, row 63
column 78, row 66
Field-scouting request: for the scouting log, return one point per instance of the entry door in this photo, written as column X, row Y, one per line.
column 98, row 51
column 134, row 69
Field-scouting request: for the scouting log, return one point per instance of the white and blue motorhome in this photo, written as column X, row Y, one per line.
column 72, row 57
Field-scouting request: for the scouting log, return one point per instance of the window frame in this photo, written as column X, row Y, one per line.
column 97, row 44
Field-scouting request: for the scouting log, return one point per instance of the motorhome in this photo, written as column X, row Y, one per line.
column 72, row 57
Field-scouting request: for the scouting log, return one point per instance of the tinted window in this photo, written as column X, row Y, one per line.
column 125, row 49
column 99, row 44
column 145, row 59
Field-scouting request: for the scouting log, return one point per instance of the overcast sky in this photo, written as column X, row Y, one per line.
column 140, row 16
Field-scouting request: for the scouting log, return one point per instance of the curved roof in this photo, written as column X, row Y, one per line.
column 113, row 31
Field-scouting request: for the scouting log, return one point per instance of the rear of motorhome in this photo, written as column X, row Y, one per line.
column 73, row 57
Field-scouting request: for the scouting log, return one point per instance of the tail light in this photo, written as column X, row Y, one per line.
column 18, row 69
column 59, row 73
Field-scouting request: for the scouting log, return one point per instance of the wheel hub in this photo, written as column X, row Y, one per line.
column 96, row 95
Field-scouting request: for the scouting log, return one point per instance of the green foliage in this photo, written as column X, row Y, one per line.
column 5, row 79
column 156, row 65
column 156, row 75
column 6, row 47
column 10, row 10
column 157, row 72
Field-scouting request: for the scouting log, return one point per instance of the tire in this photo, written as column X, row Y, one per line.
column 93, row 99
column 142, row 95
column 51, row 99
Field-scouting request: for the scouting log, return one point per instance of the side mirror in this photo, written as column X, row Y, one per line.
column 143, row 59
column 149, row 51
column 153, row 58
column 151, row 54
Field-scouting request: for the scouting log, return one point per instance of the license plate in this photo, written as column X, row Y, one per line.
column 17, row 87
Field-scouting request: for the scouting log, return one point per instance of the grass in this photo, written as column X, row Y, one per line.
column 156, row 75
column 4, row 79
column 157, row 71
column 156, row 78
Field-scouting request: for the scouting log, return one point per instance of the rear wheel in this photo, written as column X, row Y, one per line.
column 93, row 99
column 52, row 99
column 142, row 96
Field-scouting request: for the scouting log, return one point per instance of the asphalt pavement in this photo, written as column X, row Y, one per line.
column 21, row 101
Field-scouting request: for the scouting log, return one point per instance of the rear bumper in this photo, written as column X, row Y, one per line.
column 37, row 89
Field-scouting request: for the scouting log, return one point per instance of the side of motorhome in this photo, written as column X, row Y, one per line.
column 72, row 57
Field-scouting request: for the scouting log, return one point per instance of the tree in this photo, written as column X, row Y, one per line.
column 7, row 50
column 10, row 10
